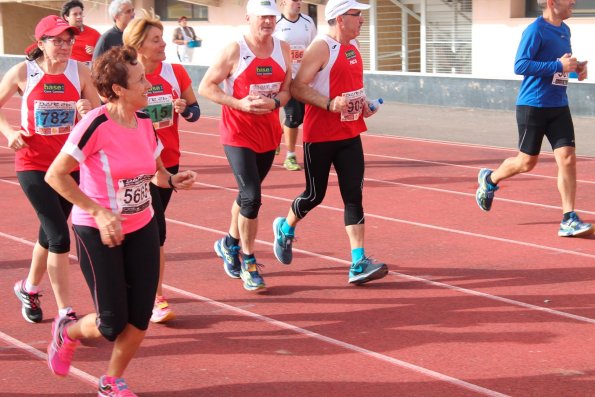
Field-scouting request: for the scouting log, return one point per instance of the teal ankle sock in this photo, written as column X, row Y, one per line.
column 286, row 229
column 356, row 255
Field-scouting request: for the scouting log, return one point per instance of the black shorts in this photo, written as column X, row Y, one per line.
column 534, row 123
column 294, row 113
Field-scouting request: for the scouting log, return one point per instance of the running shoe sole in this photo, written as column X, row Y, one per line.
column 377, row 274
column 582, row 233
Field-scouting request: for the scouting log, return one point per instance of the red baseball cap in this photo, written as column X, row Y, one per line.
column 53, row 25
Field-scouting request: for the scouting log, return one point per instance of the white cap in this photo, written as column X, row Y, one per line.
column 335, row 8
column 262, row 7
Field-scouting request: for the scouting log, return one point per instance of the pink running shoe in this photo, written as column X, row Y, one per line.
column 161, row 311
column 61, row 348
column 113, row 387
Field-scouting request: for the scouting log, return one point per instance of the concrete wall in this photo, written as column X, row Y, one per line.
column 436, row 90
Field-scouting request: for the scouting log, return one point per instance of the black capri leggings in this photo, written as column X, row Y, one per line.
column 159, row 201
column 123, row 279
column 347, row 156
column 52, row 210
column 250, row 169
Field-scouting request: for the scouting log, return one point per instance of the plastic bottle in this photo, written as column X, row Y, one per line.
column 375, row 104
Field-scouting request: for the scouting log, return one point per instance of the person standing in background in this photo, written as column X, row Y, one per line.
column 85, row 41
column 121, row 12
column 186, row 39
column 298, row 30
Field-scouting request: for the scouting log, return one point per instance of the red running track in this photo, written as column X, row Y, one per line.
column 475, row 304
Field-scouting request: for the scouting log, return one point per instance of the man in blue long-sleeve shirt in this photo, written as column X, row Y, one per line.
column 544, row 58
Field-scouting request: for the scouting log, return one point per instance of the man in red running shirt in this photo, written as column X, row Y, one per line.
column 82, row 51
column 330, row 82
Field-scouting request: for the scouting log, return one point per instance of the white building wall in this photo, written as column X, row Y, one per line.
column 496, row 35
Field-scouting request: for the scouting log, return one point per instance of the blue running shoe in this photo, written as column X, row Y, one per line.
column 282, row 243
column 485, row 192
column 252, row 279
column 574, row 227
column 231, row 257
column 366, row 269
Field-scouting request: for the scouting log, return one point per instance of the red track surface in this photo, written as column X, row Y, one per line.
column 475, row 303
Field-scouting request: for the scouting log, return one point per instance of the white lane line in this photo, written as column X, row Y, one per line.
column 348, row 346
column 74, row 371
column 428, row 188
column 424, row 371
column 416, row 278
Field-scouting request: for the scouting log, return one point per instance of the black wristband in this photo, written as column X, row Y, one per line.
column 328, row 105
column 277, row 103
column 171, row 183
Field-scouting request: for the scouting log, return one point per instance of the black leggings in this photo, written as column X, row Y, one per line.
column 347, row 156
column 250, row 169
column 123, row 279
column 159, row 200
column 51, row 208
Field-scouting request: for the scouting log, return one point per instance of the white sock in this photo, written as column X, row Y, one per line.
column 32, row 289
column 290, row 154
column 64, row 312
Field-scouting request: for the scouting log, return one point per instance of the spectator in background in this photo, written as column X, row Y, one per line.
column 85, row 41
column 121, row 12
column 186, row 39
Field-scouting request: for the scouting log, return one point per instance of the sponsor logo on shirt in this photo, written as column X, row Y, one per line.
column 264, row 70
column 156, row 89
column 351, row 56
column 56, row 88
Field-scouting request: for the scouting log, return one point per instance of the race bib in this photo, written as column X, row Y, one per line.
column 54, row 117
column 297, row 53
column 269, row 90
column 161, row 109
column 560, row 79
column 134, row 194
column 356, row 100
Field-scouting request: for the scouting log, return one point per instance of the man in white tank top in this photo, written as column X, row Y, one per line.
column 298, row 30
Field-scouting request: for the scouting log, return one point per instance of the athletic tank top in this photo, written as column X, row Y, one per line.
column 168, row 84
column 260, row 133
column 299, row 34
column 48, row 114
column 342, row 76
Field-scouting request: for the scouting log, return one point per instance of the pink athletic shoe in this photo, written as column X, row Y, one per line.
column 162, row 313
column 61, row 348
column 113, row 387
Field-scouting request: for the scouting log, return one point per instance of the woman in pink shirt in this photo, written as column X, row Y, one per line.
column 118, row 151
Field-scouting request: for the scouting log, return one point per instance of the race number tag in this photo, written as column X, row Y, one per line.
column 268, row 90
column 297, row 53
column 356, row 100
column 161, row 109
column 54, row 117
column 134, row 194
column 560, row 79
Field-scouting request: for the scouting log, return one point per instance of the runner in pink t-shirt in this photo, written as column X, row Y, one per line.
column 117, row 238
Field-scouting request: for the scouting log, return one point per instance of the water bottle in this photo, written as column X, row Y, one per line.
column 375, row 104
